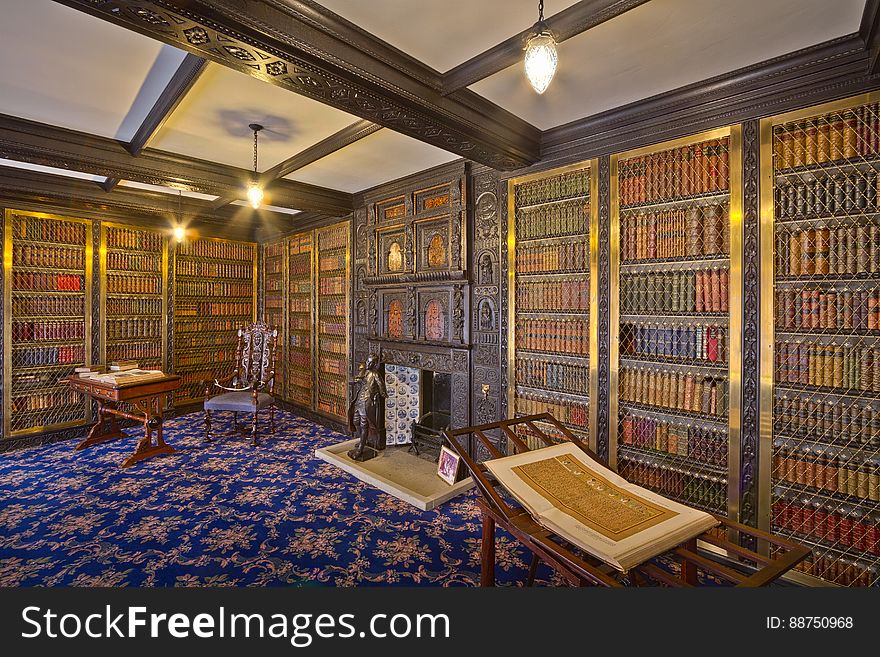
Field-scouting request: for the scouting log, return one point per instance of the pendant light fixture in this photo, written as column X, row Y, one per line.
column 541, row 57
column 255, row 191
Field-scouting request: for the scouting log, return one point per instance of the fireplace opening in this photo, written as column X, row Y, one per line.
column 418, row 409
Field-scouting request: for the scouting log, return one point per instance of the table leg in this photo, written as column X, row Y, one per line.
column 487, row 557
column 97, row 434
column 152, row 422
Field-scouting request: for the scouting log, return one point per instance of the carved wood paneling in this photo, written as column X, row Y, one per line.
column 751, row 306
column 604, row 310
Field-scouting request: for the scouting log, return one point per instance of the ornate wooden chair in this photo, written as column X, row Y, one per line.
column 252, row 381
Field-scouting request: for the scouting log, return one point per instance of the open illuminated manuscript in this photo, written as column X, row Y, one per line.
column 586, row 503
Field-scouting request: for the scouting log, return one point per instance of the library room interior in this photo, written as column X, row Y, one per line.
column 441, row 293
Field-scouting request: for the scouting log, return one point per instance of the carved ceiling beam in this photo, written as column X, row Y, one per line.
column 38, row 143
column 569, row 22
column 336, row 141
column 180, row 83
column 303, row 47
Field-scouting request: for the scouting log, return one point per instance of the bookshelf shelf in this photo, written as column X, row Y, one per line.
column 678, row 308
column 213, row 266
column 48, row 331
column 551, row 220
column 824, row 438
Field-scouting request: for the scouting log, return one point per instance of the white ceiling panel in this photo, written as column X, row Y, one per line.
column 211, row 122
column 63, row 67
column 663, row 45
column 383, row 156
column 443, row 33
column 264, row 206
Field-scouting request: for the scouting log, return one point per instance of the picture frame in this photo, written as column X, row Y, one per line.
column 448, row 465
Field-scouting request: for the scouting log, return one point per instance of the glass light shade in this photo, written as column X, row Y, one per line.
column 179, row 233
column 255, row 195
column 540, row 60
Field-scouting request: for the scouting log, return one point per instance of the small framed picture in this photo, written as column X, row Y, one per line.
column 447, row 465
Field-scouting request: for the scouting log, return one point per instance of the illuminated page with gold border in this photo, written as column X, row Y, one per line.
column 586, row 503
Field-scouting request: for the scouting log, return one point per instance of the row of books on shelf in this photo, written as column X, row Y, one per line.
column 211, row 308
column 843, row 367
column 208, row 269
column 334, row 285
column 553, row 220
column 553, row 375
column 675, row 483
column 28, row 255
column 303, row 286
column 701, row 230
column 48, row 330
column 220, row 354
column 829, row 470
column 48, row 230
column 274, row 249
column 134, row 261
column 38, row 356
column 134, row 327
column 299, row 243
column 48, row 305
column 202, row 324
column 700, row 342
column 331, row 328
column 849, row 526
column 29, row 281
column 553, row 188
column 299, row 341
column 559, row 295
column 332, row 307
column 330, row 388
column 300, row 266
column 828, row 308
column 124, row 284
column 333, row 347
column 700, row 291
column 828, row 566
column 848, row 422
column 146, row 352
column 559, row 256
column 825, row 196
column 300, row 305
column 849, row 250
column 675, row 438
column 698, row 168
column 187, row 288
column 208, row 339
column 331, row 364
column 828, row 138
column 566, row 411
column 274, row 304
column 333, row 406
column 569, row 336
column 217, row 249
column 331, row 262
column 300, row 377
column 133, row 306
column 38, row 401
column 138, row 240
column 692, row 393
column 300, row 322
column 333, row 238
column 273, row 267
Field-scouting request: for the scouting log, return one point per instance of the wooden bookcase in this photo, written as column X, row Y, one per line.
column 214, row 295
column 300, row 319
column 821, row 327
column 676, row 213
column 332, row 285
column 133, row 278
column 274, row 268
column 550, row 223
column 47, row 305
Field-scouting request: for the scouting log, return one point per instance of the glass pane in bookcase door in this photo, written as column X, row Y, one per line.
column 674, row 321
column 826, row 421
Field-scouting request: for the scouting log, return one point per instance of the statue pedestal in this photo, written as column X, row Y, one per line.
column 365, row 454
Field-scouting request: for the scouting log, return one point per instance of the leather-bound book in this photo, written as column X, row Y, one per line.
column 850, row 135
column 698, row 275
column 810, row 142
column 798, row 144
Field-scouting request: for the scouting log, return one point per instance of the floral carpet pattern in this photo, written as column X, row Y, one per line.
column 228, row 514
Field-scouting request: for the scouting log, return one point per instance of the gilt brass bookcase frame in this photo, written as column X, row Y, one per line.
column 7, row 318
column 593, row 167
column 768, row 276
column 281, row 343
column 734, row 347
column 102, row 278
column 194, row 400
column 313, row 312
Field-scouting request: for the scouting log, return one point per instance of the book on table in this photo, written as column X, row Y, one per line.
column 124, row 377
column 595, row 509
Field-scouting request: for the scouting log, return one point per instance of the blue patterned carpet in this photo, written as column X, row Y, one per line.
column 227, row 514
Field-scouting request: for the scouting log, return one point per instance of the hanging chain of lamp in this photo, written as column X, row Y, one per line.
column 255, row 191
column 541, row 57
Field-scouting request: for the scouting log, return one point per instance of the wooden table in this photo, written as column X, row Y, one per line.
column 148, row 397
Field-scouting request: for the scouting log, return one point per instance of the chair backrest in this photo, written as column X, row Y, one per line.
column 255, row 355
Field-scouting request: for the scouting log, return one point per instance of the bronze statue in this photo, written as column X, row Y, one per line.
column 366, row 413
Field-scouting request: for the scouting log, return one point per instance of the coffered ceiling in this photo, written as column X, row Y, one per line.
column 109, row 69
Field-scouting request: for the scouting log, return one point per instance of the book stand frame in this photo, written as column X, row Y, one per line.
column 739, row 564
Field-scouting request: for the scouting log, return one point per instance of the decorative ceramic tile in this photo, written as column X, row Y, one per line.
column 402, row 406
